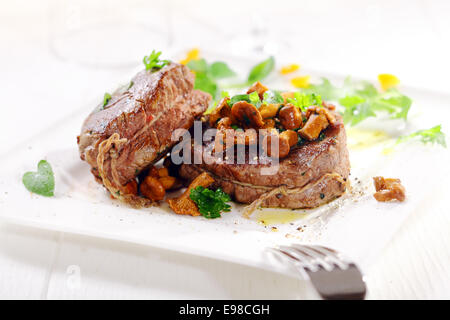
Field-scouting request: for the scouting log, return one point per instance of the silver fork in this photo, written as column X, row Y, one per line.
column 333, row 275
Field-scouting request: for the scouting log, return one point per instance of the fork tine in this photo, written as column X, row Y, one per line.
column 306, row 260
column 319, row 257
column 283, row 255
column 280, row 255
column 331, row 275
column 333, row 256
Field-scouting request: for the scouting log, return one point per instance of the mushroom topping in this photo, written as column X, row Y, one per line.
column 222, row 110
column 152, row 189
column 312, row 128
column 269, row 110
column 259, row 88
column 319, row 110
column 280, row 147
column 247, row 114
column 388, row 189
column 183, row 204
column 290, row 117
column 291, row 136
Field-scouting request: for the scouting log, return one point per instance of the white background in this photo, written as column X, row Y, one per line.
column 41, row 83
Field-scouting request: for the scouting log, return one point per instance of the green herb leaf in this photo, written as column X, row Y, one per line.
column 272, row 97
column 362, row 100
column 41, row 182
column 237, row 98
column 220, row 70
column 198, row 65
column 433, row 135
column 205, row 83
column 106, row 98
column 327, row 90
column 305, row 100
column 254, row 99
column 207, row 75
column 261, row 70
column 152, row 61
column 210, row 203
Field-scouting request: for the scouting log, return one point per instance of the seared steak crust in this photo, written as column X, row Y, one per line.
column 312, row 174
column 139, row 122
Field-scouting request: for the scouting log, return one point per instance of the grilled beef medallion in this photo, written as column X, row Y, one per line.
column 312, row 174
column 133, row 129
column 313, row 156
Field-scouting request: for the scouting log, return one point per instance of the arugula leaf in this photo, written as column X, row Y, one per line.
column 237, row 98
column 395, row 103
column 358, row 113
column 198, row 65
column 261, row 70
column 272, row 97
column 205, row 83
column 210, row 203
column 254, row 99
column 361, row 100
column 433, row 135
column 106, row 98
column 152, row 61
column 327, row 90
column 206, row 76
column 220, row 70
column 304, row 100
column 41, row 182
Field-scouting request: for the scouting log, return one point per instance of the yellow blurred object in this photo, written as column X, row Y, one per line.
column 388, row 81
column 289, row 68
column 193, row 54
column 387, row 151
column 300, row 82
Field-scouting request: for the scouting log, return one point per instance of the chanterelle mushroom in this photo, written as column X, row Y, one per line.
column 184, row 204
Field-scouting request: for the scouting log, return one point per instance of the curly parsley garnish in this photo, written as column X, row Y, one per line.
column 210, row 203
column 152, row 62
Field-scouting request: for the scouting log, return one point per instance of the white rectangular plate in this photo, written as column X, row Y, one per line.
column 356, row 224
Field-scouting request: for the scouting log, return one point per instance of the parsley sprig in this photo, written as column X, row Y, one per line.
column 210, row 203
column 152, row 62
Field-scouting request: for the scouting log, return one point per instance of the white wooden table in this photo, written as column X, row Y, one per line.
column 407, row 38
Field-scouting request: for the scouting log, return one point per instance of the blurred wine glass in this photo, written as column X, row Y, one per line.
column 258, row 39
column 107, row 33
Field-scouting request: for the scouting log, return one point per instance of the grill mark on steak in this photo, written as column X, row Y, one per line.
column 144, row 117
